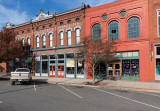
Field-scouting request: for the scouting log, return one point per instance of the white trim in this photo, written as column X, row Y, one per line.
column 50, row 33
column 77, row 27
column 43, row 34
column 23, row 38
column 37, row 35
column 69, row 29
column 61, row 30
column 28, row 37
column 158, row 28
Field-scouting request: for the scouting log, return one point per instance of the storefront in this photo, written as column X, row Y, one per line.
column 60, row 65
column 157, row 62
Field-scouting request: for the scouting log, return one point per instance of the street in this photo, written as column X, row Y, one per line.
column 54, row 97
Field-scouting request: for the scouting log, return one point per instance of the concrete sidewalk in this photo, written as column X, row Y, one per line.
column 111, row 84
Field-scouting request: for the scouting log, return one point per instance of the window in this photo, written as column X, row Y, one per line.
column 96, row 32
column 123, row 13
column 70, row 63
column 113, row 31
column 77, row 31
column 69, row 33
column 61, row 23
column 37, row 42
column 50, row 25
column 23, row 41
column 77, row 19
column 44, row 27
column 61, row 38
column 28, row 41
column 43, row 41
column 69, row 21
column 22, row 32
column 17, row 32
column 133, row 28
column 50, row 40
column 37, row 28
column 158, row 13
column 104, row 17
column 28, row 30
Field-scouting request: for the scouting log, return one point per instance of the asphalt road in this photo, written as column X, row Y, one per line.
column 52, row 97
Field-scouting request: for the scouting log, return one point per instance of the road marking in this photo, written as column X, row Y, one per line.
column 1, row 102
column 35, row 87
column 128, row 99
column 71, row 92
column 151, row 94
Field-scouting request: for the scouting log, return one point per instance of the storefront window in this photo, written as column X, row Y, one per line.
column 130, row 67
column 37, row 67
column 80, row 67
column 44, row 66
column 52, row 57
column 157, row 66
column 70, row 63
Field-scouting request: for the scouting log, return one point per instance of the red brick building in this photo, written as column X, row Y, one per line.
column 135, row 25
column 54, row 39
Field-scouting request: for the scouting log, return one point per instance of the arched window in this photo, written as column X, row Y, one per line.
column 69, row 33
column 50, row 40
column 37, row 42
column 61, row 38
column 133, row 28
column 96, row 32
column 23, row 41
column 113, row 31
column 43, row 41
column 77, row 33
column 28, row 41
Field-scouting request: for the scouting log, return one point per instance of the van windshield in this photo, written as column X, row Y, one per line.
column 22, row 70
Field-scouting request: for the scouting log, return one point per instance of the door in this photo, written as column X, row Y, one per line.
column 52, row 71
column 60, row 70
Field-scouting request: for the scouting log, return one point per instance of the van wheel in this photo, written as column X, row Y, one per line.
column 12, row 82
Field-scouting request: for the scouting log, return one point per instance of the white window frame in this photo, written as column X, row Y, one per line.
column 43, row 41
column 23, row 41
column 69, row 37
column 50, row 40
column 158, row 23
column 29, row 41
column 61, row 35
column 37, row 42
column 77, row 36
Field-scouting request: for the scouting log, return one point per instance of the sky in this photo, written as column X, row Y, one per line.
column 21, row 11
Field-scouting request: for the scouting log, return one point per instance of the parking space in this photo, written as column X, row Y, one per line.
column 42, row 96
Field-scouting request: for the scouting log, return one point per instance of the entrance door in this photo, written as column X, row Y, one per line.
column 52, row 71
column 60, row 70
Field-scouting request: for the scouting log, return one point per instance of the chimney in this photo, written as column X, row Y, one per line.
column 54, row 13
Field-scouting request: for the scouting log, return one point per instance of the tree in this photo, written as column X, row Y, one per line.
column 10, row 47
column 96, row 51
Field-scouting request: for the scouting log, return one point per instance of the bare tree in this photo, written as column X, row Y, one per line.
column 96, row 52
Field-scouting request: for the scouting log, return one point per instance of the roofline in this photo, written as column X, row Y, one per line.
column 50, row 16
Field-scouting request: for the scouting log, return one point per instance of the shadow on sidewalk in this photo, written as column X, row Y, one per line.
column 97, row 82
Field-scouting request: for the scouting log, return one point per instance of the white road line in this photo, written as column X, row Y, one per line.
column 151, row 94
column 35, row 87
column 128, row 99
column 1, row 102
column 71, row 92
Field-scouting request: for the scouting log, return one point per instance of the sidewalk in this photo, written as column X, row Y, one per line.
column 3, row 74
column 119, row 84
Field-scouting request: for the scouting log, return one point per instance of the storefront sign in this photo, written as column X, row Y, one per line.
column 69, row 63
column 37, row 58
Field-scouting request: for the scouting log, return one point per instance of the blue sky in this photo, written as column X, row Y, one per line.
column 20, row 11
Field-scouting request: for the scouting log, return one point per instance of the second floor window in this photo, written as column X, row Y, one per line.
column 23, row 41
column 69, row 33
column 113, row 31
column 50, row 40
column 133, row 28
column 28, row 41
column 158, row 14
column 96, row 32
column 43, row 41
column 77, row 33
column 61, row 38
column 37, row 42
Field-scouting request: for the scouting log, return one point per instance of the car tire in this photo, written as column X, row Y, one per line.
column 12, row 82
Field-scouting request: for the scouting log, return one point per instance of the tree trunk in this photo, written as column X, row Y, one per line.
column 93, row 76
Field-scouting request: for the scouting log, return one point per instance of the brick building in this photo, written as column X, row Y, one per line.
column 135, row 25
column 54, row 39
